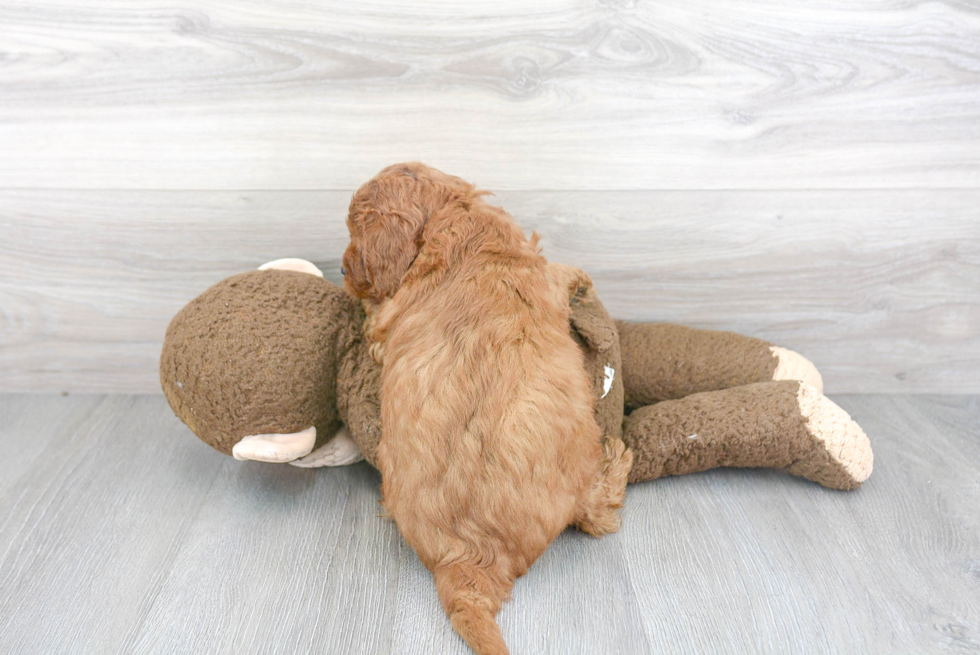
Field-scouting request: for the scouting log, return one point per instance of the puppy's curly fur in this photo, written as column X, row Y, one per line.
column 490, row 447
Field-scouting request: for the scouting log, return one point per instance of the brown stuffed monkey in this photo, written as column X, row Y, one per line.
column 272, row 366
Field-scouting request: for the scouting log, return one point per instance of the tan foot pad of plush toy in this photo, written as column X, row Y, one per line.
column 844, row 441
column 792, row 365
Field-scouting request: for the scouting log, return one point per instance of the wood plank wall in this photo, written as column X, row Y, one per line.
column 804, row 172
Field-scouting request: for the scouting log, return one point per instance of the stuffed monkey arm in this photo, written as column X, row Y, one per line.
column 359, row 403
column 340, row 450
column 662, row 361
column 785, row 425
column 359, row 394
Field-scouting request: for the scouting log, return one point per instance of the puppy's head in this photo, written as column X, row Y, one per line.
column 387, row 220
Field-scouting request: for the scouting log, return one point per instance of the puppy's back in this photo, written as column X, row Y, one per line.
column 490, row 446
column 496, row 440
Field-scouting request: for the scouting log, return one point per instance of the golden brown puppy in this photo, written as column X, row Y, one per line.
column 490, row 448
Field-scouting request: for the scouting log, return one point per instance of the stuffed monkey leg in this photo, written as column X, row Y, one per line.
column 785, row 425
column 662, row 361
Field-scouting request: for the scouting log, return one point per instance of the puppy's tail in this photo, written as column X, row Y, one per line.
column 472, row 596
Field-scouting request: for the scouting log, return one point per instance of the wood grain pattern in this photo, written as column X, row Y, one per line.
column 881, row 289
column 91, row 527
column 562, row 94
column 121, row 533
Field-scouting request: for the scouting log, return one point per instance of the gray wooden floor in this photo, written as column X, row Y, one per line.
column 121, row 533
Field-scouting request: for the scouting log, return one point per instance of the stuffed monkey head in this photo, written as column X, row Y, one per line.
column 251, row 364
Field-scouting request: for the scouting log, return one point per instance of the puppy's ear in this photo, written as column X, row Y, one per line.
column 386, row 219
column 389, row 244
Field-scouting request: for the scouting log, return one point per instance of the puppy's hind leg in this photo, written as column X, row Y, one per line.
column 471, row 596
column 597, row 514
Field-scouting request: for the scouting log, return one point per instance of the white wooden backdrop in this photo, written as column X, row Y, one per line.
column 804, row 172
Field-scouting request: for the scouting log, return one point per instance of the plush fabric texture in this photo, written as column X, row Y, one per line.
column 755, row 425
column 667, row 361
column 359, row 393
column 277, row 328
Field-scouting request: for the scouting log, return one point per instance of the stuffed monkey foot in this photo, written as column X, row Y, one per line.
column 786, row 425
column 791, row 365
column 845, row 445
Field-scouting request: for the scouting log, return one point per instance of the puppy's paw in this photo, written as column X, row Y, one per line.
column 598, row 514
